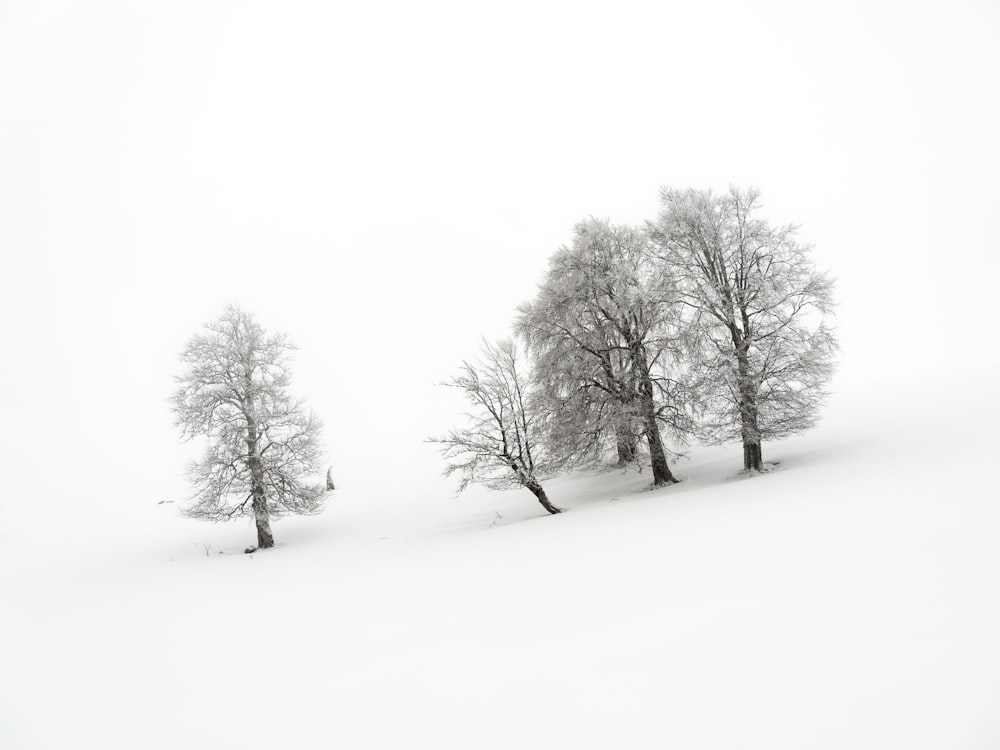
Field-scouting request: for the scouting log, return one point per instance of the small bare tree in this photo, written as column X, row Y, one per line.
column 500, row 446
column 758, row 315
column 262, row 444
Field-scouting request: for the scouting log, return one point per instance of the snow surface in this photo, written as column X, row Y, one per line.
column 847, row 599
column 385, row 182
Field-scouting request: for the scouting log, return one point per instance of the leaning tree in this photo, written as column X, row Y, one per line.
column 758, row 313
column 501, row 444
column 601, row 332
column 262, row 445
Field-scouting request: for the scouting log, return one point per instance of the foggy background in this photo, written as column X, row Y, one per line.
column 385, row 182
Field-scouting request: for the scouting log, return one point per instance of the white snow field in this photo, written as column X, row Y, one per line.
column 386, row 182
column 848, row 599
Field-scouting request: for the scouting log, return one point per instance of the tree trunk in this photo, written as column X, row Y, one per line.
column 750, row 432
column 265, row 538
column 261, row 514
column 751, row 457
column 749, row 427
column 538, row 492
column 627, row 445
column 657, row 455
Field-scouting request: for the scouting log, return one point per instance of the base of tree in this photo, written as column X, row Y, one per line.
column 552, row 508
column 543, row 499
column 265, row 538
column 752, row 460
column 249, row 550
column 766, row 468
column 667, row 482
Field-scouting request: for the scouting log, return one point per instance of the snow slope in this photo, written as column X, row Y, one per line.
column 848, row 599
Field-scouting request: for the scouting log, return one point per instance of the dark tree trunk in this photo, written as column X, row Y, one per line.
column 750, row 432
column 657, row 455
column 749, row 426
column 627, row 445
column 538, row 492
column 261, row 514
column 751, row 457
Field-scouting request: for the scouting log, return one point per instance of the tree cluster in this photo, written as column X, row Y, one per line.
column 707, row 323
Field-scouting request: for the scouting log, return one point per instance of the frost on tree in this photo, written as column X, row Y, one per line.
column 262, row 445
column 500, row 446
column 758, row 308
column 603, row 340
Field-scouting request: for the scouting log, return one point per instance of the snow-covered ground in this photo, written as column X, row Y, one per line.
column 848, row 599
column 385, row 182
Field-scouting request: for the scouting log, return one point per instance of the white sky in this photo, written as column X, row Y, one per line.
column 386, row 182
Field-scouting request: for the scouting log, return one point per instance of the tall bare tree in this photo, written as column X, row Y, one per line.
column 262, row 444
column 501, row 445
column 600, row 331
column 758, row 310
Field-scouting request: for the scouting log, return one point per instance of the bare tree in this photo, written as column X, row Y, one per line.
column 500, row 446
column 758, row 313
column 600, row 331
column 262, row 444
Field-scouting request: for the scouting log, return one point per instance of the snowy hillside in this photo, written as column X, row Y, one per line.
column 847, row 599
column 388, row 183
